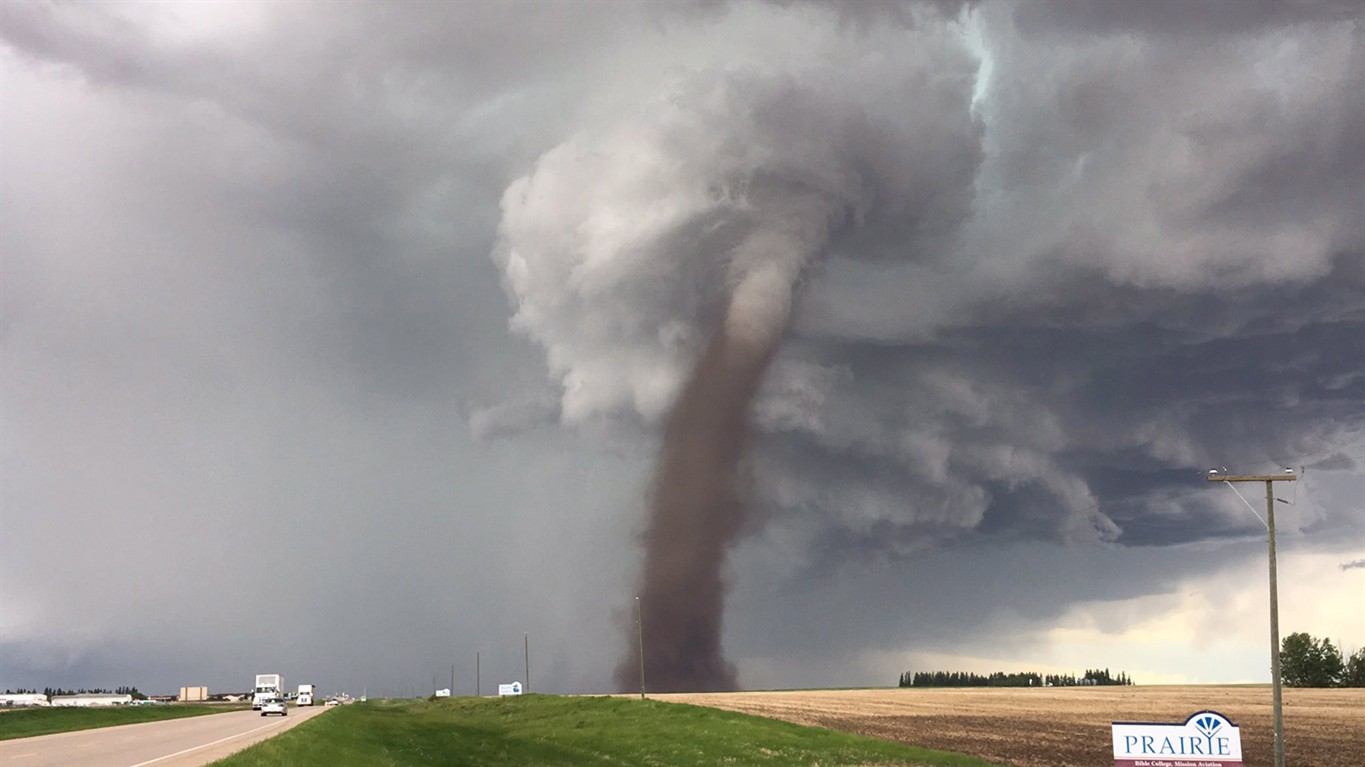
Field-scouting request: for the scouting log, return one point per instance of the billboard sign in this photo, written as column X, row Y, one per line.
column 1206, row 739
column 510, row 689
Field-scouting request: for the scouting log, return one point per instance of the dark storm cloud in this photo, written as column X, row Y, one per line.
column 246, row 316
column 1084, row 252
column 1162, row 247
column 959, row 586
column 1338, row 461
column 1056, row 426
column 1208, row 18
column 354, row 154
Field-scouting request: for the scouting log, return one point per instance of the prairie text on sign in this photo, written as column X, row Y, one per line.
column 1205, row 739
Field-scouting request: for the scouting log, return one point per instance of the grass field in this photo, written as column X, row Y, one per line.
column 567, row 732
column 1067, row 726
column 27, row 722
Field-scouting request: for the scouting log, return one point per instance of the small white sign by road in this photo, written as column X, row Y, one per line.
column 510, row 689
column 1206, row 739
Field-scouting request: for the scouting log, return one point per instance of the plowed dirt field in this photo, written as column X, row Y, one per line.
column 1067, row 727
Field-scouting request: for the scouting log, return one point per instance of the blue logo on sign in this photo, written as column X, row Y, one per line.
column 1208, row 726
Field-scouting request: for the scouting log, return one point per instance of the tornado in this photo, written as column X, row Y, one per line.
column 657, row 261
column 697, row 504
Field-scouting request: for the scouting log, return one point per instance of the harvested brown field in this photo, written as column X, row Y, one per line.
column 1066, row 726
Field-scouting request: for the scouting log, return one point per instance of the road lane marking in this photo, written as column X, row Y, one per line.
column 206, row 745
column 21, row 756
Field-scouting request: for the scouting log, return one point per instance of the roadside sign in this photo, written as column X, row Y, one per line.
column 1205, row 739
column 510, row 689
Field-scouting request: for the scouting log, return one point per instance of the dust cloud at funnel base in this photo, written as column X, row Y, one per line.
column 696, row 510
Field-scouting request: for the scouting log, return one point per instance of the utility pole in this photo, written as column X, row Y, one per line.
column 526, row 647
column 478, row 687
column 640, row 637
column 452, row 679
column 1269, row 480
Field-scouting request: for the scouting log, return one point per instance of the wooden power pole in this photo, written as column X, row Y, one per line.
column 1269, row 480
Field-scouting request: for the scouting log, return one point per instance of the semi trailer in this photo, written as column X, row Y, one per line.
column 267, row 686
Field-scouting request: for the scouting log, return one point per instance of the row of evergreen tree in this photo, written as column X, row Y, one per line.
column 50, row 691
column 1020, row 679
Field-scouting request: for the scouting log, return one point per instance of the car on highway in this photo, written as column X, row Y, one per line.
column 275, row 706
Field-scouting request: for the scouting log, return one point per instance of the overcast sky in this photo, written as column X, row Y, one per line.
column 338, row 337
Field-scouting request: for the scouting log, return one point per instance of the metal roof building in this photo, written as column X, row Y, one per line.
column 92, row 699
column 23, row 699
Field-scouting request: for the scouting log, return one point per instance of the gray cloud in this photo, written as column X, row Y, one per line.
column 251, row 324
column 1213, row 18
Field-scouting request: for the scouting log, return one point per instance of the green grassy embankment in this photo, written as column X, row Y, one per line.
column 567, row 732
column 27, row 722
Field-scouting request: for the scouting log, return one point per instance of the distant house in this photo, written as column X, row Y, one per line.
column 14, row 700
column 92, row 699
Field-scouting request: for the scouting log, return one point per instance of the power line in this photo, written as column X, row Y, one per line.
column 1269, row 521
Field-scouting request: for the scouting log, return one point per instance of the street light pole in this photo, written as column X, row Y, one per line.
column 640, row 637
column 1269, row 480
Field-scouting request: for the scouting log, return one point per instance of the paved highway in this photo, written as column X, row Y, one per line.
column 189, row 742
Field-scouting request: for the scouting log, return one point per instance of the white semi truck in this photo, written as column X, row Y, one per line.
column 305, row 696
column 267, row 686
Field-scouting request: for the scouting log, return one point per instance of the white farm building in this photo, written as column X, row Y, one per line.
column 92, row 699
column 23, row 699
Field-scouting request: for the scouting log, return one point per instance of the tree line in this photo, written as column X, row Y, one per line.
column 51, row 691
column 1306, row 661
column 1092, row 677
